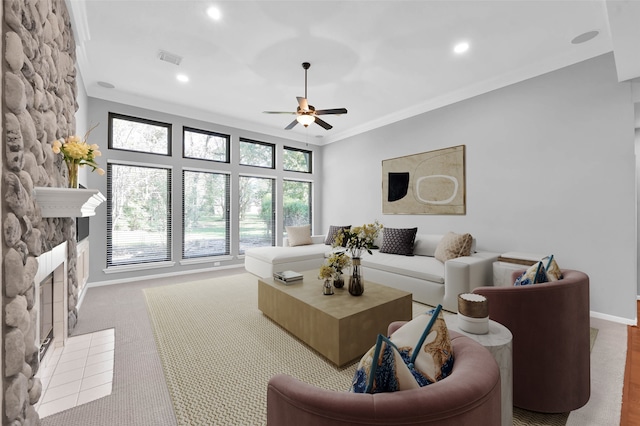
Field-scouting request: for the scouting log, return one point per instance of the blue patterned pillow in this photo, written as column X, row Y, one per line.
column 398, row 240
column 536, row 274
column 417, row 354
column 552, row 269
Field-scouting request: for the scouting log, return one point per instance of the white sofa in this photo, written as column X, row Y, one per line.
column 429, row 280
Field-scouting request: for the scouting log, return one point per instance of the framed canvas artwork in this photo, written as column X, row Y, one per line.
column 427, row 183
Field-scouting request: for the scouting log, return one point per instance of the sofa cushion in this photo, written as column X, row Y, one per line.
column 277, row 255
column 420, row 267
column 426, row 244
column 417, row 354
column 333, row 231
column 398, row 240
column 536, row 274
column 453, row 245
column 299, row 235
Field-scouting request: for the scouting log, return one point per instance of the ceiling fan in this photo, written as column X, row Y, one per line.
column 307, row 114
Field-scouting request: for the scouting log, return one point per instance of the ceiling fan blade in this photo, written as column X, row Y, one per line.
column 291, row 125
column 304, row 105
column 323, row 123
column 331, row 111
column 278, row 112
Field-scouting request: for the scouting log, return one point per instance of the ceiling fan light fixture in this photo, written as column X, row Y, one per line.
column 305, row 119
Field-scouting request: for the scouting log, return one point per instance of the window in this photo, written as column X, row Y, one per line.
column 256, row 212
column 138, row 214
column 296, row 160
column 137, row 134
column 259, row 154
column 204, row 145
column 296, row 200
column 205, row 207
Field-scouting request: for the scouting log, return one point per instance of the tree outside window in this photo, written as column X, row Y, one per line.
column 296, row 160
column 206, row 214
column 256, row 212
column 205, row 145
column 138, row 214
column 296, row 199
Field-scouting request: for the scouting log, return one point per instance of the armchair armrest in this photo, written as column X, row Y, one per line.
column 463, row 274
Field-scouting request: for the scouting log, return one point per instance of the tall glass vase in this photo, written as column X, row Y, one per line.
column 73, row 174
column 356, row 281
column 338, row 281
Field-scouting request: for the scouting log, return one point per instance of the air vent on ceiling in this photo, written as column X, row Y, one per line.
column 172, row 58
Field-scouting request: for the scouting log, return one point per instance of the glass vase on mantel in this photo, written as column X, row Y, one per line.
column 73, row 174
column 356, row 281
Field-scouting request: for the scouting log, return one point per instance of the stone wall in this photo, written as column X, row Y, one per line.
column 39, row 94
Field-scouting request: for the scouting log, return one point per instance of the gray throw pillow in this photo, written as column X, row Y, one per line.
column 398, row 240
column 333, row 232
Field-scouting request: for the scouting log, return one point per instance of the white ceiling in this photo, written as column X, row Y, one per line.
column 382, row 60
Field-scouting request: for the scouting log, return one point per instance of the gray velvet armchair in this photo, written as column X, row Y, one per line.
column 469, row 396
column 551, row 352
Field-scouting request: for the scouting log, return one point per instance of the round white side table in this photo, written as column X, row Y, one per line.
column 498, row 342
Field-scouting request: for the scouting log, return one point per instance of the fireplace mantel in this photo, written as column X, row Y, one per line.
column 68, row 202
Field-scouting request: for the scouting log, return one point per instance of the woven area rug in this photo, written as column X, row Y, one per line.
column 218, row 352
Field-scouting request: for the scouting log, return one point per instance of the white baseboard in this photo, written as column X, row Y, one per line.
column 157, row 276
column 612, row 318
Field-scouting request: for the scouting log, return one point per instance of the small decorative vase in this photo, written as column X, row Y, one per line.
column 356, row 282
column 338, row 281
column 73, row 174
column 327, row 289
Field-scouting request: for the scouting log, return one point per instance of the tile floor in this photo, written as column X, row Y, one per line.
column 79, row 372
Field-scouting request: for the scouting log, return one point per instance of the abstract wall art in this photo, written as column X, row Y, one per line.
column 427, row 183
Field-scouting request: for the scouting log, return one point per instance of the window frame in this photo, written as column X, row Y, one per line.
column 310, row 183
column 209, row 133
column 168, row 126
column 109, row 218
column 227, row 213
column 274, row 195
column 289, row 148
column 273, row 153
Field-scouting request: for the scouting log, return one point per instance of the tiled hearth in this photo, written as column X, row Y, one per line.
column 79, row 372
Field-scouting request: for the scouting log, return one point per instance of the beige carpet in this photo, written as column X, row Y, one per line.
column 218, row 352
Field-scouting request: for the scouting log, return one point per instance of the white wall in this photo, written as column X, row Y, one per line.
column 550, row 168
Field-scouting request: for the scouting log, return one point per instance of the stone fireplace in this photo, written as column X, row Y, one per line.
column 39, row 105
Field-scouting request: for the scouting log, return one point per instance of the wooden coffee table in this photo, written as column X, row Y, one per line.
column 341, row 327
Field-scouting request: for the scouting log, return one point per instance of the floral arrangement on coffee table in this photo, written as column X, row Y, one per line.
column 337, row 262
column 326, row 272
column 358, row 239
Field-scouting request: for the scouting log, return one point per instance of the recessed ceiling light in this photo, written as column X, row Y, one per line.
column 214, row 13
column 182, row 78
column 461, row 47
column 585, row 37
column 106, row 85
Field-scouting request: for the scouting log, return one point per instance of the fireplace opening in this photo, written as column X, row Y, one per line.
column 46, row 314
